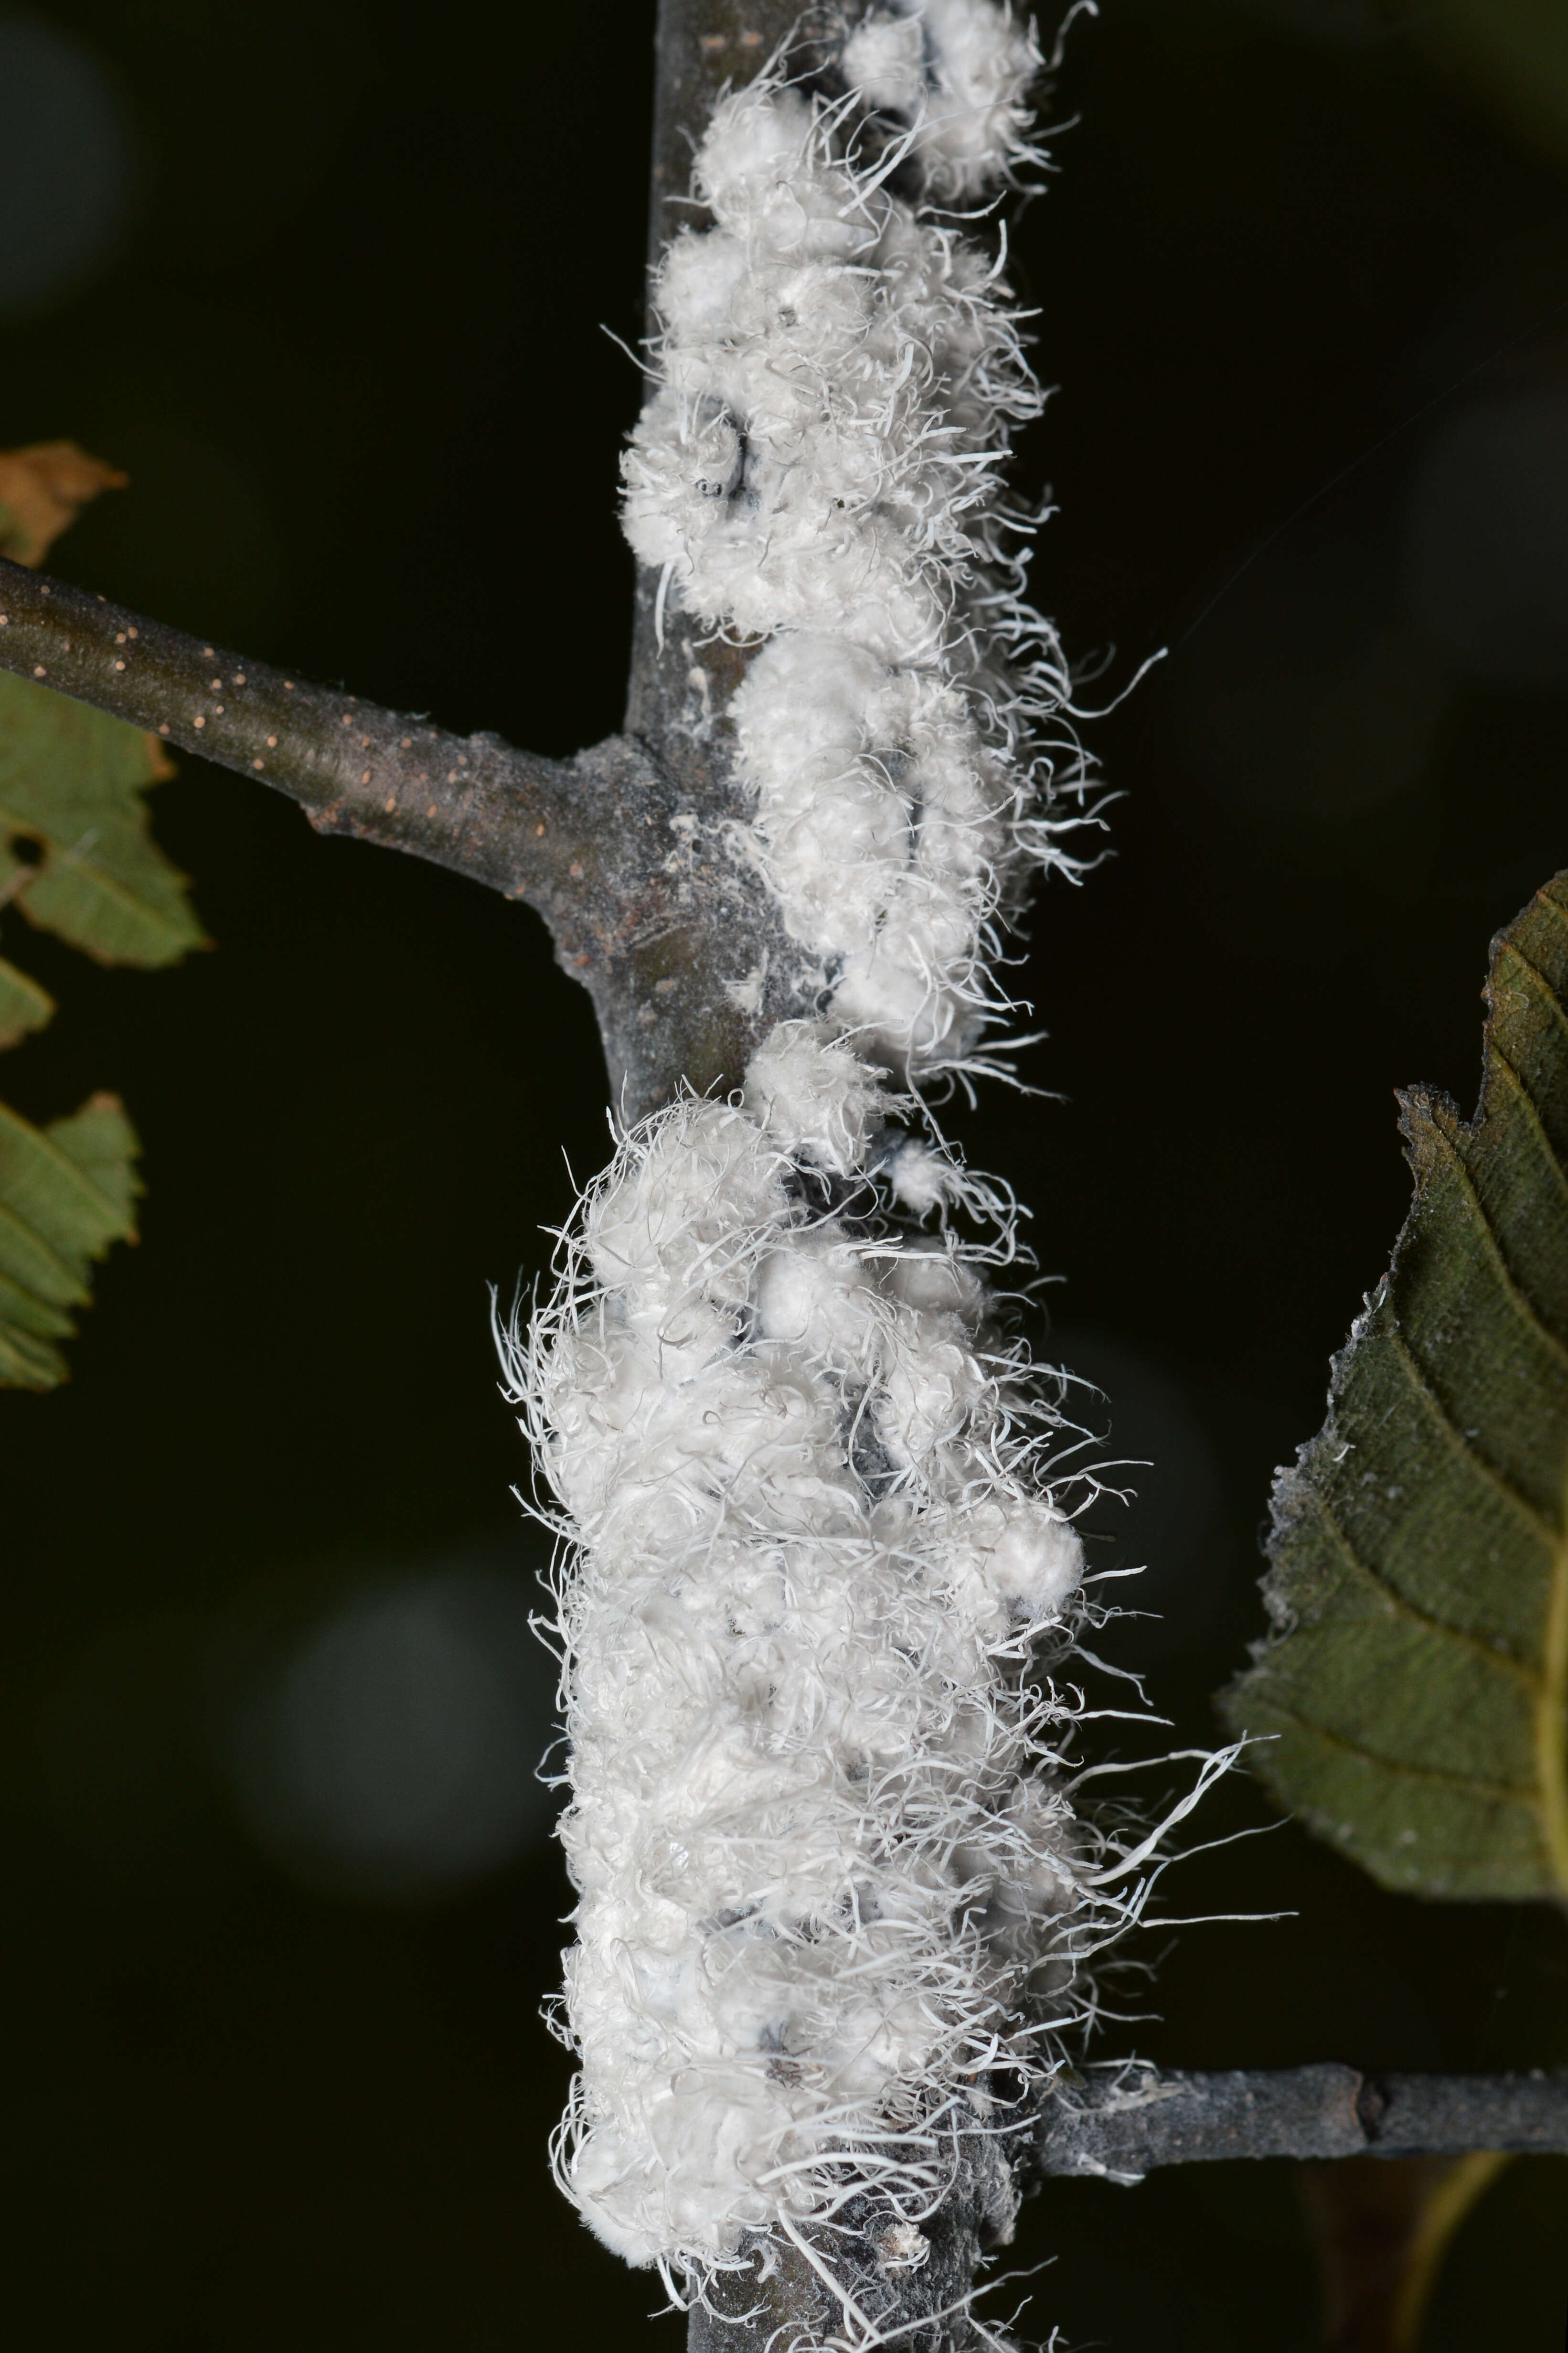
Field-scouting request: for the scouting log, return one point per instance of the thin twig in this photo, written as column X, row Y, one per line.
column 621, row 849
column 505, row 818
column 1125, row 2123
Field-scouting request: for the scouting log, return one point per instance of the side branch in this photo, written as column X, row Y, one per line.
column 504, row 817
column 622, row 853
column 1124, row 2125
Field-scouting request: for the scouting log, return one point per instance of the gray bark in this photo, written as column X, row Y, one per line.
column 626, row 850
column 621, row 849
column 1130, row 2120
column 1115, row 2126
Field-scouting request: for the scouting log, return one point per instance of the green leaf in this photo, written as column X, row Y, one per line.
column 24, row 1006
column 67, row 1191
column 78, row 859
column 1416, row 1682
column 71, row 787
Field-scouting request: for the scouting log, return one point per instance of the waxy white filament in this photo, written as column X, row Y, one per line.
column 833, row 1899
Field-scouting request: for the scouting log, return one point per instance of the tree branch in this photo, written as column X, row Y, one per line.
column 1116, row 2126
column 682, row 679
column 1123, row 2125
column 504, row 817
column 621, row 851
column 624, row 850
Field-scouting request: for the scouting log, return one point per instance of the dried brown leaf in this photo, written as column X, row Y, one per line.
column 43, row 489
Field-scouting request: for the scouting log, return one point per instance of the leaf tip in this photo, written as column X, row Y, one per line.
column 43, row 489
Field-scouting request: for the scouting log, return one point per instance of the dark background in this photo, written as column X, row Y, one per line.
column 328, row 281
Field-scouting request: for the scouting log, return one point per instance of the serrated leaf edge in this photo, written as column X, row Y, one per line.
column 1430, row 1141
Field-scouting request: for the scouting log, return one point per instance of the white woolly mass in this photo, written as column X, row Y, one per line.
column 958, row 74
column 818, row 1571
column 822, row 1866
column 840, row 375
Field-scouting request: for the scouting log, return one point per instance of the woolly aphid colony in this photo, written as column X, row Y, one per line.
column 834, row 1897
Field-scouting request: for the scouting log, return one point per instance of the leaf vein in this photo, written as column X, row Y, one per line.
column 1545, row 1530
column 35, row 1241
column 1503, row 1068
column 1505, row 1792
column 1523, row 1306
column 1544, row 898
column 1554, row 1005
column 1426, row 1620
column 88, row 1190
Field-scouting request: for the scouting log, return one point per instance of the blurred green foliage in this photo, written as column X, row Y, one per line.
column 67, row 1191
column 1515, row 52
column 76, row 852
column 78, row 859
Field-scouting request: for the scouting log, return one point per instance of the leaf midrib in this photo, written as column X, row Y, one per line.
column 1552, row 1722
column 62, row 862
column 38, row 1139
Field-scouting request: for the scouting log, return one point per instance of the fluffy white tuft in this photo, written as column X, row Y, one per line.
column 841, row 376
column 819, row 1573
column 814, row 1097
column 826, row 1875
column 958, row 73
